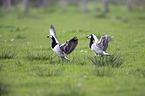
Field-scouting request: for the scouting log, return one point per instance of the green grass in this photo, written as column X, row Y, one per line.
column 28, row 66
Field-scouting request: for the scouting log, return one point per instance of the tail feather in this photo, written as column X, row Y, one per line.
column 104, row 53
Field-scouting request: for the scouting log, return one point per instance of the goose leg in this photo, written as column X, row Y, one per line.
column 60, row 60
column 96, row 54
column 104, row 53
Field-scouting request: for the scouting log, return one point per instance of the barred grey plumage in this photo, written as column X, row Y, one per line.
column 62, row 49
column 99, row 47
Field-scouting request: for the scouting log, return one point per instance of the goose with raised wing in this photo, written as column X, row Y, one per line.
column 62, row 49
column 99, row 47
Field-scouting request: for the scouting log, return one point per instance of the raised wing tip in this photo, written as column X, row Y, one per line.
column 74, row 38
column 52, row 31
column 51, row 26
column 106, row 35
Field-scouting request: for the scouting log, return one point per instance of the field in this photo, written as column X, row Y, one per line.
column 28, row 66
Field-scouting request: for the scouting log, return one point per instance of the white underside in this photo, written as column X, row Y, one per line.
column 59, row 52
column 97, row 50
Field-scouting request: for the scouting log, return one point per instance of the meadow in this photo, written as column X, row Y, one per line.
column 29, row 67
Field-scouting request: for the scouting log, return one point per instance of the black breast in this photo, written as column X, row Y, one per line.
column 53, row 42
column 91, row 42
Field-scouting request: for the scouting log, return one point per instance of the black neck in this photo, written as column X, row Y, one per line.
column 91, row 42
column 53, row 42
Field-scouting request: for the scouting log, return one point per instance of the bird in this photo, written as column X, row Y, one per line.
column 62, row 49
column 99, row 47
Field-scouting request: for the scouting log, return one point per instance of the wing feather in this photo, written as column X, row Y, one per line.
column 105, row 42
column 69, row 46
column 52, row 31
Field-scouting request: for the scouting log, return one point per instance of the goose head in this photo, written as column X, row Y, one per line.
column 50, row 36
column 91, row 36
column 53, row 38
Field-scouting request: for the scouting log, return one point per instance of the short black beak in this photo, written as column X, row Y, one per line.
column 87, row 36
column 48, row 36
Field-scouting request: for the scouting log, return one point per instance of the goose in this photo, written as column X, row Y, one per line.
column 99, row 47
column 61, row 49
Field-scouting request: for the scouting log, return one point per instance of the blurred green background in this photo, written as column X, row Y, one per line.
column 29, row 67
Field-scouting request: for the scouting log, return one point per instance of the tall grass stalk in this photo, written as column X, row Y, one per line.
column 5, row 54
column 115, row 60
column 102, row 71
column 39, row 56
column 49, row 72
column 3, row 89
column 79, row 60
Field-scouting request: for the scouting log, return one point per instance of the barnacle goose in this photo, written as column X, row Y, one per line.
column 99, row 47
column 61, row 49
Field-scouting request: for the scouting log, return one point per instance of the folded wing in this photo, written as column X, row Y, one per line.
column 69, row 46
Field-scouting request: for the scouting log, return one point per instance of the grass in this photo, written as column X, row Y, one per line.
column 115, row 60
column 102, row 71
column 5, row 54
column 28, row 66
column 3, row 89
column 39, row 56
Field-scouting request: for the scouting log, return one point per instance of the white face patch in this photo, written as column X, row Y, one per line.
column 50, row 36
column 89, row 36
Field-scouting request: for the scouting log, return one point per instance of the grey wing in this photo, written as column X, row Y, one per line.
column 52, row 31
column 105, row 41
column 69, row 46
